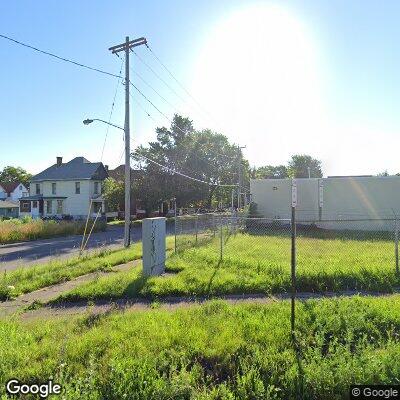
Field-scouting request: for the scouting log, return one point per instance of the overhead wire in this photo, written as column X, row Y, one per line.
column 111, row 111
column 174, row 171
column 164, row 115
column 158, row 76
column 178, row 82
column 155, row 91
column 59, row 57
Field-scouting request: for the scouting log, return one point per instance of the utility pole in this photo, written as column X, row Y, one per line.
column 127, row 46
column 239, row 192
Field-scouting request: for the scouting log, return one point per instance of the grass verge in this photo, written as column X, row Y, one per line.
column 28, row 279
column 25, row 280
column 209, row 352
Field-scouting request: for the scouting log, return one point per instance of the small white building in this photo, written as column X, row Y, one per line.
column 325, row 200
column 13, row 191
column 66, row 189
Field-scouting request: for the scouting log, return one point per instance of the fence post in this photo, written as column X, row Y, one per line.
column 196, row 224
column 396, row 244
column 221, row 239
column 213, row 224
column 175, row 223
column 293, row 269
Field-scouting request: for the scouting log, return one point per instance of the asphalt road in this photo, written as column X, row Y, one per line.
column 26, row 254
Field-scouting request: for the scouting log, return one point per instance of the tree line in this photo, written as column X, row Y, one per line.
column 203, row 155
column 208, row 157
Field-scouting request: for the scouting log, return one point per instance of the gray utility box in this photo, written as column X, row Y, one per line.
column 154, row 249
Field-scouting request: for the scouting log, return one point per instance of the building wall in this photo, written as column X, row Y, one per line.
column 19, row 191
column 342, row 198
column 274, row 197
column 75, row 204
column 9, row 212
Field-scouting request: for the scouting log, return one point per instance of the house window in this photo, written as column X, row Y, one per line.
column 49, row 208
column 37, row 188
column 77, row 188
column 34, row 204
column 25, row 206
column 53, row 188
column 59, row 206
column 96, row 188
column 20, row 187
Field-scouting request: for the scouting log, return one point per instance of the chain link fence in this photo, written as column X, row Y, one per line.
column 234, row 254
column 350, row 247
column 236, row 238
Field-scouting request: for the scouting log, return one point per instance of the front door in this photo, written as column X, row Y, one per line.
column 35, row 209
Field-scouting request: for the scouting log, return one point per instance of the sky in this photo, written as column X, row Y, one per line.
column 279, row 77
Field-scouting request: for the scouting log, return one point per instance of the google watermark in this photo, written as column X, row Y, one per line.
column 43, row 390
column 374, row 392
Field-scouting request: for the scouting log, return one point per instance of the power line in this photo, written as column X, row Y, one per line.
column 177, row 81
column 173, row 171
column 111, row 112
column 142, row 108
column 59, row 57
column 150, row 102
column 158, row 76
column 165, row 116
column 155, row 91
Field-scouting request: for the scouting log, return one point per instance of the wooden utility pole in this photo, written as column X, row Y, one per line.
column 126, row 47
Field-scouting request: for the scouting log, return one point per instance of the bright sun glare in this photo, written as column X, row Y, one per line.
column 259, row 75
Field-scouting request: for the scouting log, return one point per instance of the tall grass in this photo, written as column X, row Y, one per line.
column 258, row 264
column 16, row 230
column 211, row 352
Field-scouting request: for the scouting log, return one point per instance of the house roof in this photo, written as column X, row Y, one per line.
column 8, row 204
column 77, row 168
column 9, row 186
column 119, row 173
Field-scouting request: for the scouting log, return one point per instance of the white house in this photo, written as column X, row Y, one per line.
column 13, row 191
column 358, row 202
column 72, row 188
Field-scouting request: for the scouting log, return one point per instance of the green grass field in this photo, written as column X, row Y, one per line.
column 214, row 351
column 257, row 264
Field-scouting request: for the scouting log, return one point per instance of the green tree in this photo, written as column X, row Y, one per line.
column 271, row 172
column 114, row 194
column 301, row 164
column 204, row 155
column 15, row 174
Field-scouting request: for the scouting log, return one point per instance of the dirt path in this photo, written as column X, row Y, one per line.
column 51, row 292
column 104, row 306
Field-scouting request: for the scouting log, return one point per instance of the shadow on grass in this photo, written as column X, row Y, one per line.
column 312, row 231
column 217, row 267
column 135, row 288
